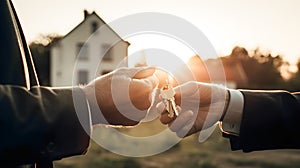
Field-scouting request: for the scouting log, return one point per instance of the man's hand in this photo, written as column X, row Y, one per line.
column 202, row 106
column 121, row 97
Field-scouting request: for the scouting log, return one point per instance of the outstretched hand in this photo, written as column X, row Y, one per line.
column 121, row 97
column 202, row 106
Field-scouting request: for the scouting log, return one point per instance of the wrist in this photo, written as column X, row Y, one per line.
column 232, row 118
column 93, row 101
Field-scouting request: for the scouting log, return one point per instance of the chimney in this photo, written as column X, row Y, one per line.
column 86, row 13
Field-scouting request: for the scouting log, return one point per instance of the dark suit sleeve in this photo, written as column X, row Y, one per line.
column 42, row 124
column 270, row 121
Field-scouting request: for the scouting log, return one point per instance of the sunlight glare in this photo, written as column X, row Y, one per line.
column 144, row 49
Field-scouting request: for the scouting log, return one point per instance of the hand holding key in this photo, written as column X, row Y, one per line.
column 201, row 104
column 112, row 94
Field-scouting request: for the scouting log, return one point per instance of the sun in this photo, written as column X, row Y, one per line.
column 157, row 50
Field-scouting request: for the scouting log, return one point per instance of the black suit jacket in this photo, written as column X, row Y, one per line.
column 37, row 124
column 271, row 120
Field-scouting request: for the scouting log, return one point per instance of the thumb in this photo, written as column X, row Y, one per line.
column 135, row 73
column 143, row 72
column 187, row 89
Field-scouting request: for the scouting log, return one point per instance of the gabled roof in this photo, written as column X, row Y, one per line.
column 87, row 15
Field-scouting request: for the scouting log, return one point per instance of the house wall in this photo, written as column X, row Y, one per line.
column 65, row 62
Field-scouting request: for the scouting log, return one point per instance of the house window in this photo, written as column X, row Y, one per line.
column 82, row 51
column 94, row 27
column 83, row 76
column 107, row 50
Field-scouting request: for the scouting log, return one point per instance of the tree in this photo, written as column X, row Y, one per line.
column 40, row 50
column 262, row 70
column 294, row 82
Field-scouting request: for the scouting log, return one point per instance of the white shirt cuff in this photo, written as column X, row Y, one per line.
column 233, row 116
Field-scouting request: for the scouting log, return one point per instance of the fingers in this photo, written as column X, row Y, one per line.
column 187, row 92
column 187, row 89
column 187, row 130
column 140, row 90
column 134, row 73
column 152, row 112
column 181, row 121
column 160, row 107
column 164, row 77
column 175, row 123
column 183, row 125
column 165, row 119
column 152, row 81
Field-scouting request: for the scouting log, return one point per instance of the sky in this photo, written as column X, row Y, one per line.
column 271, row 25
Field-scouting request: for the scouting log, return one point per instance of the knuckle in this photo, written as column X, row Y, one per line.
column 163, row 120
column 180, row 134
column 172, row 127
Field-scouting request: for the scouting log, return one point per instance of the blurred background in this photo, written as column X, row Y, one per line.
column 257, row 42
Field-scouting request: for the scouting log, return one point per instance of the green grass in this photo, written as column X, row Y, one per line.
column 189, row 153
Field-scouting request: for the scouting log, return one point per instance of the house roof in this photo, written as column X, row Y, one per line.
column 86, row 16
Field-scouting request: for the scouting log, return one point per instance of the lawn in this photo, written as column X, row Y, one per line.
column 189, row 153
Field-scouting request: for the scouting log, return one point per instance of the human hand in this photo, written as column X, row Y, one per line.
column 121, row 97
column 202, row 106
column 164, row 77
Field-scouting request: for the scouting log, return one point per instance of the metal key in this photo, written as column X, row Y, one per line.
column 167, row 93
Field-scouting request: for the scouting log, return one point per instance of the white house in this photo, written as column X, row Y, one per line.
column 91, row 49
